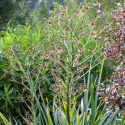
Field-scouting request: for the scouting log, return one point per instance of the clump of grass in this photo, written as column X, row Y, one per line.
column 56, row 70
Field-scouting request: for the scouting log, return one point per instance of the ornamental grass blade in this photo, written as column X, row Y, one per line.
column 34, row 94
column 6, row 122
column 112, row 118
column 92, row 104
column 104, row 118
column 55, row 113
column 98, row 85
column 48, row 113
column 123, row 120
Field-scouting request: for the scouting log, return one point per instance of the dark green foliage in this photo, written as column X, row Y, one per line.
column 7, row 11
column 6, row 6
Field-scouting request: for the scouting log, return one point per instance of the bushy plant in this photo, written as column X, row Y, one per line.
column 115, row 46
column 55, row 70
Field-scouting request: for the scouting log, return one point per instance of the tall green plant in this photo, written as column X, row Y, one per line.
column 82, row 114
column 54, row 67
